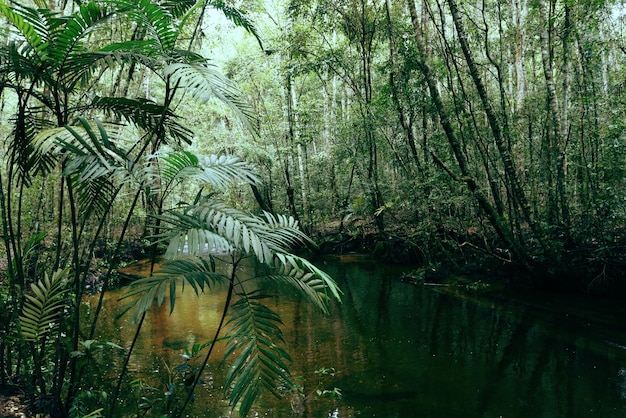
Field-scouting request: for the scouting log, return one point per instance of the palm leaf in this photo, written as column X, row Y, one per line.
column 31, row 29
column 154, row 18
column 260, row 363
column 197, row 273
column 204, row 82
column 178, row 8
column 96, row 164
column 75, row 28
column 145, row 114
column 23, row 145
column 209, row 219
column 186, row 235
column 217, row 171
column 42, row 310
column 304, row 277
column 238, row 17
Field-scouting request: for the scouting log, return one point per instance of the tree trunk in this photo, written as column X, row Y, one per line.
column 559, row 144
column 494, row 218
column 513, row 183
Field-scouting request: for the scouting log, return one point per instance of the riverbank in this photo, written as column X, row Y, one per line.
column 590, row 266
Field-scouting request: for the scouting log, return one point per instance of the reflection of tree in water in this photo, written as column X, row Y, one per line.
column 407, row 348
column 399, row 349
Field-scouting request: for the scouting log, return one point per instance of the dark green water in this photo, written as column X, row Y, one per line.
column 403, row 350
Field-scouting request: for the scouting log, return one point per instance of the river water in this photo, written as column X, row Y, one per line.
column 395, row 349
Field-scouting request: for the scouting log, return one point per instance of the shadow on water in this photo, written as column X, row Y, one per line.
column 395, row 349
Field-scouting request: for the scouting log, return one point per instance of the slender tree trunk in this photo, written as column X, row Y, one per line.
column 494, row 218
column 517, row 192
column 559, row 145
column 295, row 139
column 405, row 122
column 290, row 138
column 519, row 10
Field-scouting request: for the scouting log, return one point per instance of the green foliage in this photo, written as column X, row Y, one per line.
column 204, row 82
column 79, row 408
column 42, row 310
column 199, row 273
column 197, row 233
column 259, row 363
column 76, row 127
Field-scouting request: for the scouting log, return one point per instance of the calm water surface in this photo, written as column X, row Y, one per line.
column 395, row 349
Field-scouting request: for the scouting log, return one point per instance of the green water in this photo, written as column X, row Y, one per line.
column 395, row 349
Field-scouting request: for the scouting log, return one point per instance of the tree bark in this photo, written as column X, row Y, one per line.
column 494, row 218
column 559, row 144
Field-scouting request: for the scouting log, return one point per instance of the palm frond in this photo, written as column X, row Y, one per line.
column 217, row 171
column 204, row 82
column 187, row 235
column 154, row 18
column 42, row 310
column 17, row 64
column 199, row 273
column 31, row 29
column 305, row 278
column 199, row 227
column 145, row 114
column 23, row 145
column 92, row 158
column 178, row 8
column 76, row 27
column 238, row 17
column 260, row 363
column 236, row 228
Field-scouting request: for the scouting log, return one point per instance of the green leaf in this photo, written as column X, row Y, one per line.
column 42, row 310
column 143, row 292
column 254, row 333
column 204, row 82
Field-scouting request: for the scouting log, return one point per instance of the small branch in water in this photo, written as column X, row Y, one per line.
column 491, row 253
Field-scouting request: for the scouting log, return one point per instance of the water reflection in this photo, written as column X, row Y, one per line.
column 400, row 350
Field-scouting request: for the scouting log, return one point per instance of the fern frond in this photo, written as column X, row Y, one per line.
column 42, row 310
column 260, row 363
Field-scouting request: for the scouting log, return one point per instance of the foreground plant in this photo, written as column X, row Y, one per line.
column 82, row 153
column 206, row 233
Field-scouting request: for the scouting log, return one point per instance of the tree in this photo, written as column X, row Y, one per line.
column 99, row 147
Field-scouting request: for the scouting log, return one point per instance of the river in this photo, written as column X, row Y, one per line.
column 395, row 349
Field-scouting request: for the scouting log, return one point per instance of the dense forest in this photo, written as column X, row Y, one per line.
column 465, row 130
column 453, row 135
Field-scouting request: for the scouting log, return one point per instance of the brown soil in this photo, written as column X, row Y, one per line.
column 13, row 402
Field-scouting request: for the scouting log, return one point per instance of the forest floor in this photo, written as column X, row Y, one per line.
column 13, row 403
